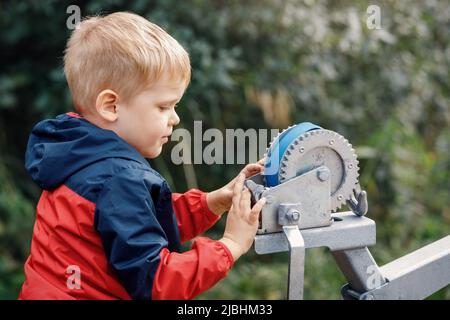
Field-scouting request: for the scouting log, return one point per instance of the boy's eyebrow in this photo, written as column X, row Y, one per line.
column 171, row 101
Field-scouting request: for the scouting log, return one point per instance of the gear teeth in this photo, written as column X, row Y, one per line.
column 273, row 139
column 321, row 138
column 278, row 135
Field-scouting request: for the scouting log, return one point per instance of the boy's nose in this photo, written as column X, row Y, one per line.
column 175, row 119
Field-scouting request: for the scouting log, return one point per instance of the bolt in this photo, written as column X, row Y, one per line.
column 269, row 199
column 302, row 149
column 340, row 197
column 350, row 166
column 331, row 142
column 293, row 215
column 323, row 174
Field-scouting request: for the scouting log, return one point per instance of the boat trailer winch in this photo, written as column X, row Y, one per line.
column 309, row 174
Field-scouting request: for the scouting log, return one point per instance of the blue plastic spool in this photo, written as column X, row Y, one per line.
column 272, row 164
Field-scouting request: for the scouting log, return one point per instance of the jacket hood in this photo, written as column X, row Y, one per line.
column 60, row 147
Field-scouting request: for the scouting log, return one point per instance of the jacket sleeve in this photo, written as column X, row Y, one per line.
column 136, row 244
column 193, row 214
column 186, row 275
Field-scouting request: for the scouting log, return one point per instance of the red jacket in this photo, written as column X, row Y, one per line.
column 107, row 225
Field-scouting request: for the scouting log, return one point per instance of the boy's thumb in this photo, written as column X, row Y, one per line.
column 257, row 208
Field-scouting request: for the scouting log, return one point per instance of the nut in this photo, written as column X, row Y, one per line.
column 293, row 215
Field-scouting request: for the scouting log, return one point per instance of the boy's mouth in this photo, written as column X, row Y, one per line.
column 166, row 138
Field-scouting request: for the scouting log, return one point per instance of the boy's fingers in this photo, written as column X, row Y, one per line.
column 252, row 169
column 254, row 214
column 253, row 217
column 237, row 191
column 231, row 210
column 245, row 201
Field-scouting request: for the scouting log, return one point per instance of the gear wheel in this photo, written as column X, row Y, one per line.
column 320, row 147
column 312, row 149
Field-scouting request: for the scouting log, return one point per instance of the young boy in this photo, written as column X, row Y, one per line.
column 107, row 225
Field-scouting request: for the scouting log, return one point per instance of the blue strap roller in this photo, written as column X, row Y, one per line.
column 272, row 164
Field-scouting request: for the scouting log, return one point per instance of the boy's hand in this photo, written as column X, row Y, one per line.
column 242, row 220
column 220, row 200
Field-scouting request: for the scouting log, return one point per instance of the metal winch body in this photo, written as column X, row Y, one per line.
column 310, row 172
column 303, row 200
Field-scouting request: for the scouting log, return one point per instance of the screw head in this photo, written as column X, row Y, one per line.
column 302, row 149
column 331, row 142
column 323, row 174
column 350, row 166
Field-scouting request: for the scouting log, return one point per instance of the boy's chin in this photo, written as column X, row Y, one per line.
column 152, row 154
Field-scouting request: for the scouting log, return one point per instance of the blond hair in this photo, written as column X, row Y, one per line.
column 122, row 52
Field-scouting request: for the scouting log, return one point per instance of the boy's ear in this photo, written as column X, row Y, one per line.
column 106, row 105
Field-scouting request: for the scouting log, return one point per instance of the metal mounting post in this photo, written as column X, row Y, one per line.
column 289, row 215
column 296, row 271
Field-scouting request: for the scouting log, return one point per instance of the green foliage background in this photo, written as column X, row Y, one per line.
column 262, row 64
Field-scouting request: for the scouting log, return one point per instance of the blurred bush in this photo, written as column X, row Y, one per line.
column 262, row 64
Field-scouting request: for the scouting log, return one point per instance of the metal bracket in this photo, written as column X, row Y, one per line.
column 288, row 217
column 296, row 271
column 311, row 190
column 347, row 232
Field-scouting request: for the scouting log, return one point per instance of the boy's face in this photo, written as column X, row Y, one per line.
column 147, row 120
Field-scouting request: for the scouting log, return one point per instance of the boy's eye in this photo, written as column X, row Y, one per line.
column 167, row 107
